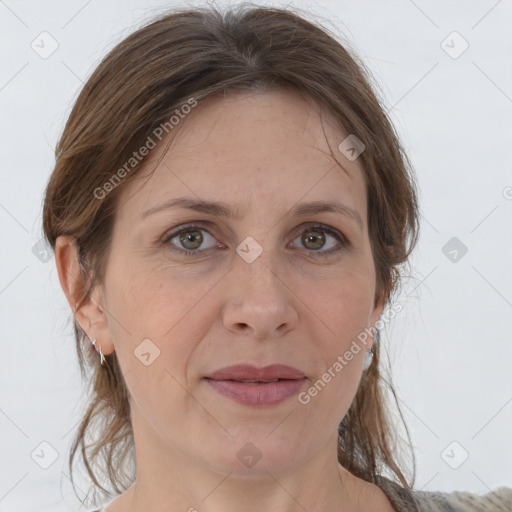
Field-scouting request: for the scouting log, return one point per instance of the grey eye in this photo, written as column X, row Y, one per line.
column 315, row 238
column 191, row 238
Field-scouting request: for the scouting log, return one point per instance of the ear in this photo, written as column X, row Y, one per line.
column 90, row 313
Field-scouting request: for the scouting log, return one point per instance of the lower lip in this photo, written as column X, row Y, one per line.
column 257, row 394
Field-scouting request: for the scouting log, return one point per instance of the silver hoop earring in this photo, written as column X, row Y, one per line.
column 368, row 357
column 102, row 357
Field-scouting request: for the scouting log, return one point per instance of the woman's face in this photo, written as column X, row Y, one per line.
column 267, row 287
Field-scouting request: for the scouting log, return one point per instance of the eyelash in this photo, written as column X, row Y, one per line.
column 344, row 243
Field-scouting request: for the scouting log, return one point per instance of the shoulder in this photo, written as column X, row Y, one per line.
column 497, row 500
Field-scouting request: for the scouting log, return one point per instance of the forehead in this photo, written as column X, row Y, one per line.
column 247, row 146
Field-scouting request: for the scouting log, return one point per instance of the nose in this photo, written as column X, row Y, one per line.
column 259, row 301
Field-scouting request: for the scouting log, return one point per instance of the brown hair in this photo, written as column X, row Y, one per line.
column 198, row 53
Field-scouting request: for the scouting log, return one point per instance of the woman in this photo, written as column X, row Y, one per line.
column 229, row 209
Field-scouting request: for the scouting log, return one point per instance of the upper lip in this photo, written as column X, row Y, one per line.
column 250, row 372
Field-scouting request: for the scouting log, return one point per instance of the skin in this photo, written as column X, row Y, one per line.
column 263, row 153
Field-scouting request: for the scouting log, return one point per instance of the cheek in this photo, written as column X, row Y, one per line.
column 156, row 297
column 154, row 336
column 344, row 306
column 345, row 302
column 152, row 302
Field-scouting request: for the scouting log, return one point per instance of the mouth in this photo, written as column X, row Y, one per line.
column 250, row 373
column 257, row 393
column 252, row 381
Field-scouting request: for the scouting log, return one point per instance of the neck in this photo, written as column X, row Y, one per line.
column 169, row 480
column 294, row 492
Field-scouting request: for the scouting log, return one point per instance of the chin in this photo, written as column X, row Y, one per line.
column 255, row 453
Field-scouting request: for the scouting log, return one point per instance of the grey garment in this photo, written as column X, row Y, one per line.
column 404, row 500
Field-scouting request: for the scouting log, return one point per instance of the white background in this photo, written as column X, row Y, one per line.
column 449, row 348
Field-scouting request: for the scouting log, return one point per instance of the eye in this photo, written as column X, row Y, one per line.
column 188, row 240
column 314, row 238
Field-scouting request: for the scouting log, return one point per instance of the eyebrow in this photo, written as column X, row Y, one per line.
column 225, row 210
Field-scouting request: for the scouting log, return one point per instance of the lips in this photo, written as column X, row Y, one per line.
column 260, row 387
column 249, row 373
